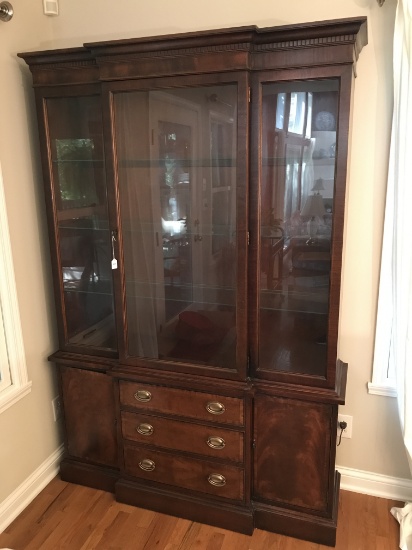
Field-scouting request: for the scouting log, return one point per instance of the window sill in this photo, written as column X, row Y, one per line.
column 382, row 389
column 11, row 395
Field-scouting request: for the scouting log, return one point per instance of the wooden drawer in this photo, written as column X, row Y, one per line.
column 187, row 473
column 191, row 404
column 210, row 441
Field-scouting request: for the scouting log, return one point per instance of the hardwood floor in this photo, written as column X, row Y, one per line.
column 71, row 517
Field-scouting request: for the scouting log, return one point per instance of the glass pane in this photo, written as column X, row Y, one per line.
column 176, row 154
column 297, row 112
column 297, row 185
column 76, row 143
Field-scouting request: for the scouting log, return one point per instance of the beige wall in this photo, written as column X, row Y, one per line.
column 28, row 428
column 28, row 434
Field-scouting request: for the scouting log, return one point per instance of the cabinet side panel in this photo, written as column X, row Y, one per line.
column 89, row 415
column 292, row 453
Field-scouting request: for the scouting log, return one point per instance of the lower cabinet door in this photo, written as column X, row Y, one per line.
column 89, row 415
column 293, row 454
column 218, row 479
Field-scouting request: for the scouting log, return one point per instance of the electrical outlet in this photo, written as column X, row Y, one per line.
column 347, row 432
column 57, row 408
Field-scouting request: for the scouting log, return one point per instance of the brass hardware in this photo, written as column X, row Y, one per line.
column 147, row 465
column 216, row 442
column 217, row 480
column 145, row 429
column 143, row 395
column 214, row 407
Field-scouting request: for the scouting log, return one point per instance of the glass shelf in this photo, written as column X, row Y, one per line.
column 182, row 163
column 89, row 291
column 73, row 228
column 77, row 161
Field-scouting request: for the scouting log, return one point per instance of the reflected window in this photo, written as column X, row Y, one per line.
column 297, row 112
column 280, row 111
column 75, row 169
column 297, row 186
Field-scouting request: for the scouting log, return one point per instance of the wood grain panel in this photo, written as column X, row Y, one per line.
column 89, row 415
column 185, row 472
column 184, row 436
column 183, row 403
column 292, row 454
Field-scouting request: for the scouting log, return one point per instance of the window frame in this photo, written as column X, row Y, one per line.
column 15, row 384
column 383, row 378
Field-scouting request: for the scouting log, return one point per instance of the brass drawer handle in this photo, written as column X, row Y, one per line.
column 143, row 395
column 214, row 407
column 216, row 442
column 145, row 429
column 217, row 480
column 147, row 465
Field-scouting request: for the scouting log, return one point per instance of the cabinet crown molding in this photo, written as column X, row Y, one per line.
column 239, row 48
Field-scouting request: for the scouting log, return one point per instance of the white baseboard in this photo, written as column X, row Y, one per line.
column 376, row 485
column 29, row 489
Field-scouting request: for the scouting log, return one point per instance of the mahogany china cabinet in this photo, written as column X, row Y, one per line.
column 195, row 188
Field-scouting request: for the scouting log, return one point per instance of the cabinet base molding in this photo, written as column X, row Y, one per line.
column 225, row 516
column 298, row 524
column 89, row 475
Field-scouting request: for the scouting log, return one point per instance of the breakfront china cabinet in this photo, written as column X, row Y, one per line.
column 195, row 188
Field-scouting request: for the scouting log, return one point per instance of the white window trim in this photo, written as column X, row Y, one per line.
column 383, row 380
column 19, row 384
column 382, row 388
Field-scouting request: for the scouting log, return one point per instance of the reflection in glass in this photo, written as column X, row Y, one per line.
column 297, row 112
column 76, row 172
column 297, row 184
column 75, row 130
column 177, row 179
column 280, row 111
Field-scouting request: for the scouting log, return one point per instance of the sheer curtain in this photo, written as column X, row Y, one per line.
column 137, row 223
column 394, row 322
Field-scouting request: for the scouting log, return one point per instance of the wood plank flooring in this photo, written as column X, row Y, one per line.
column 71, row 517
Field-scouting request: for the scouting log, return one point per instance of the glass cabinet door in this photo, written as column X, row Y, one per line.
column 176, row 165
column 297, row 179
column 74, row 128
